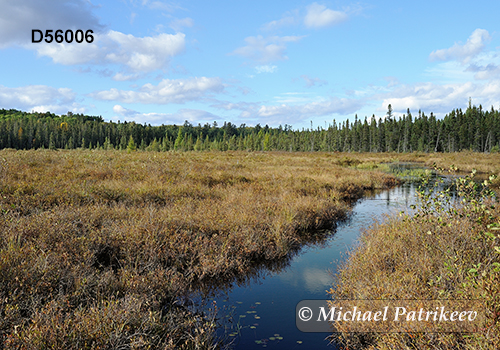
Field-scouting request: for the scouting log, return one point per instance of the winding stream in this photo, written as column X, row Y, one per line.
column 261, row 314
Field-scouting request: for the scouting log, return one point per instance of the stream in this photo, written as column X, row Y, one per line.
column 261, row 313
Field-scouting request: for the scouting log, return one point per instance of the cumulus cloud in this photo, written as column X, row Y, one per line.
column 319, row 16
column 124, row 112
column 40, row 98
column 144, row 54
column 266, row 49
column 18, row 18
column 442, row 98
column 486, row 72
column 179, row 117
column 167, row 91
column 464, row 53
column 468, row 71
column 136, row 54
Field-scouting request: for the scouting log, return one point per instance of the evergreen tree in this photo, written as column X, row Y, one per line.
column 131, row 145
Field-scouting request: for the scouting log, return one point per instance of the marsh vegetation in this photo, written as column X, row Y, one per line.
column 100, row 249
column 448, row 249
column 103, row 249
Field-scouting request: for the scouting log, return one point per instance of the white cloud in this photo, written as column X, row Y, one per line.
column 465, row 52
column 320, row 16
column 266, row 69
column 144, row 54
column 192, row 115
column 290, row 113
column 40, row 98
column 69, row 54
column 442, row 98
column 136, row 54
column 266, row 49
column 124, row 112
column 18, row 18
column 486, row 72
column 312, row 109
column 167, row 91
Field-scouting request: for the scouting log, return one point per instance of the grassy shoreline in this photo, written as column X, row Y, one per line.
column 98, row 247
column 441, row 252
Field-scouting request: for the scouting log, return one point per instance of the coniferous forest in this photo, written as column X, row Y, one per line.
column 475, row 129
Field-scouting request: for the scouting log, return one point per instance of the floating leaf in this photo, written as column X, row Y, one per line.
column 272, row 338
column 252, row 327
column 257, row 317
column 299, row 341
column 239, row 302
column 276, row 335
column 257, row 303
column 258, row 342
column 243, row 315
column 279, row 338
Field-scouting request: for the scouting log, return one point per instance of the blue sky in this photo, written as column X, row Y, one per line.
column 267, row 62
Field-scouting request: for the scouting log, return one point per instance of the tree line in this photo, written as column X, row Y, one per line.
column 473, row 129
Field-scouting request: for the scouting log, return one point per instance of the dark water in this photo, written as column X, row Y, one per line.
column 261, row 314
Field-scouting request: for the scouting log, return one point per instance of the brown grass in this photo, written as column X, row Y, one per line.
column 437, row 255
column 97, row 248
column 463, row 162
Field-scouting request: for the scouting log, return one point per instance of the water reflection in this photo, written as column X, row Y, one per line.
column 307, row 273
